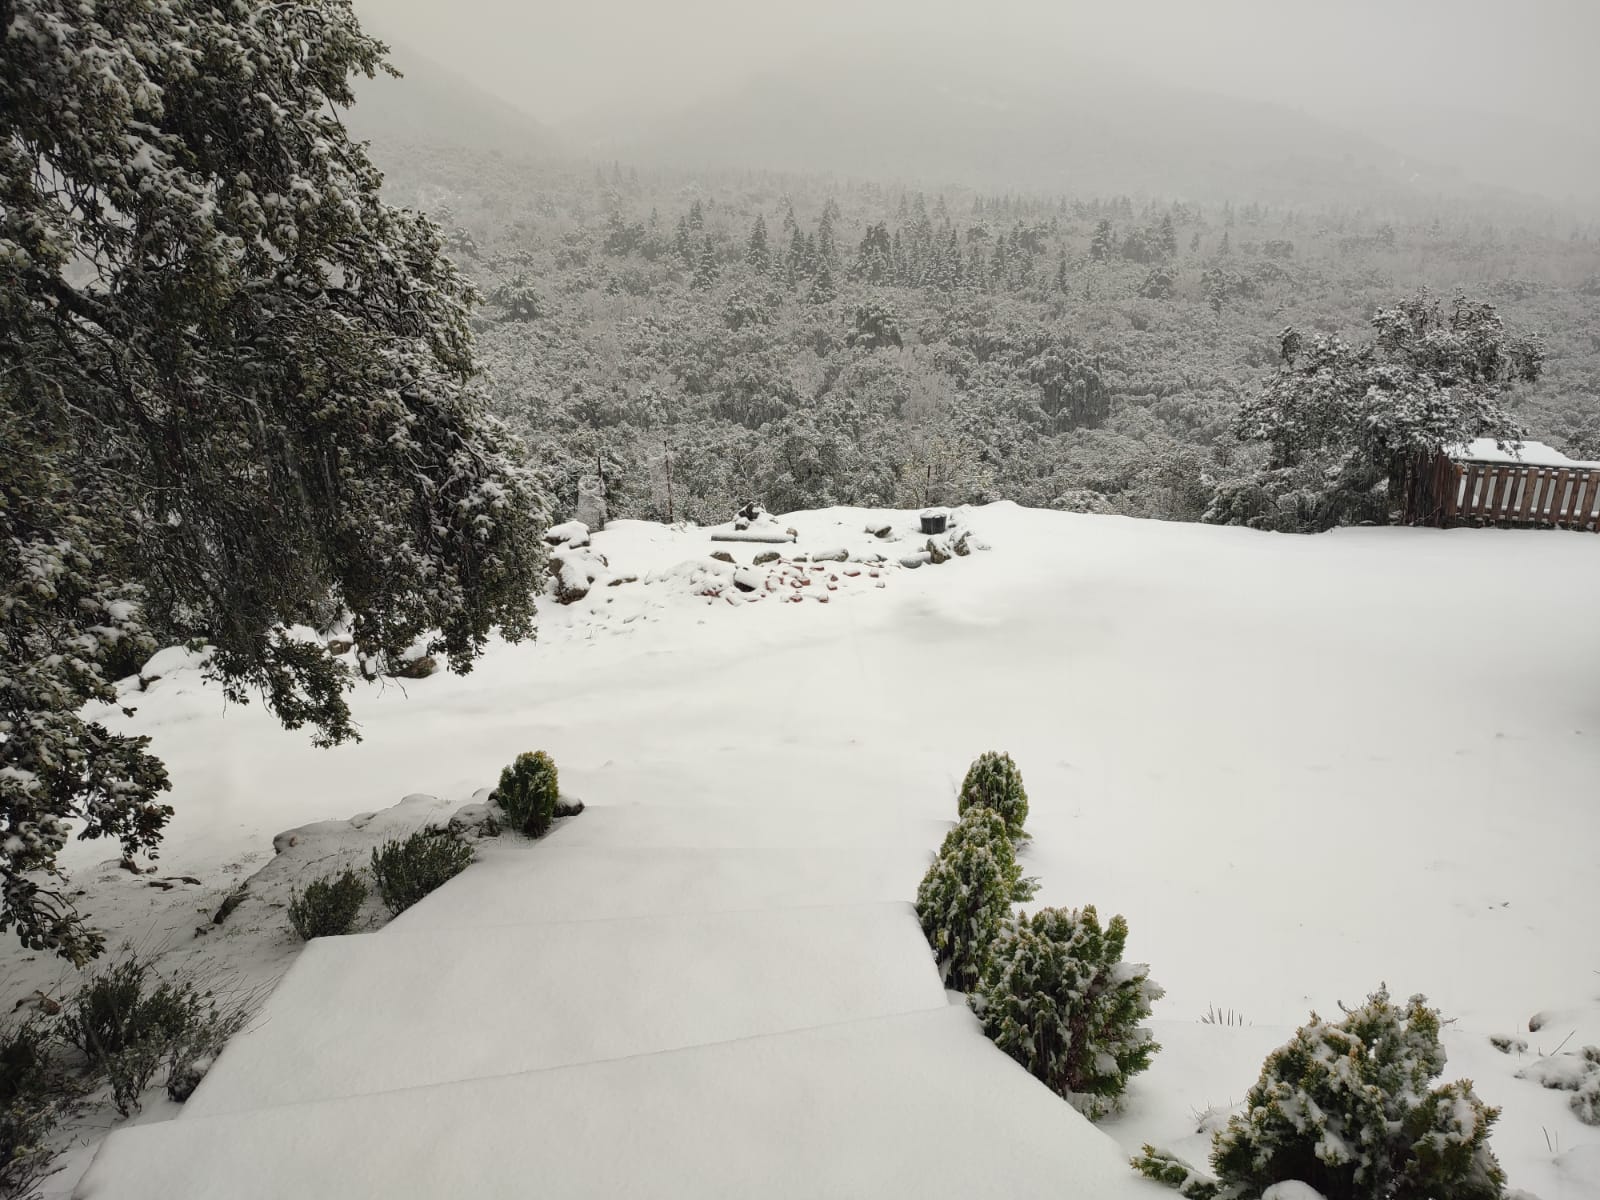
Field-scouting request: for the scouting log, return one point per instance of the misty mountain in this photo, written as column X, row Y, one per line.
column 1073, row 129
column 433, row 106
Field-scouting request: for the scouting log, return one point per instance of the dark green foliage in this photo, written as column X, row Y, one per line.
column 965, row 898
column 223, row 412
column 1166, row 1167
column 125, row 1005
column 127, row 1021
column 1057, row 997
column 993, row 781
column 34, row 1097
column 408, row 870
column 530, row 793
column 1348, row 1109
column 329, row 906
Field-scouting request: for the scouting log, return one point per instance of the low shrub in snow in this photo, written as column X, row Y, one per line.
column 129, row 1020
column 1586, row 1100
column 1349, row 1109
column 529, row 792
column 34, row 1097
column 1056, row 996
column 966, row 896
column 126, row 1005
column 329, row 906
column 408, row 870
column 993, row 781
column 192, row 1052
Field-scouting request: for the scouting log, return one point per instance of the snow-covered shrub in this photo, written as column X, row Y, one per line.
column 1585, row 1101
column 1347, row 1109
column 966, row 896
column 529, row 792
column 1057, row 997
column 329, row 906
column 993, row 781
column 408, row 870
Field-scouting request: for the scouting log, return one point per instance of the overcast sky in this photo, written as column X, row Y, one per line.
column 1354, row 60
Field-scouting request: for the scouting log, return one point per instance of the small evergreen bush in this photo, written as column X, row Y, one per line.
column 1348, row 1109
column 408, row 870
column 993, row 781
column 1057, row 997
column 329, row 906
column 967, row 894
column 529, row 792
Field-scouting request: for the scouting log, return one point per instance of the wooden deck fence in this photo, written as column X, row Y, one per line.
column 1449, row 492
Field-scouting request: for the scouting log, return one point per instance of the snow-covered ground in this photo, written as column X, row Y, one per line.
column 1300, row 766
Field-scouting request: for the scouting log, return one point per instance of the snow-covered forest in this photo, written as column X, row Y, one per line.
column 806, row 341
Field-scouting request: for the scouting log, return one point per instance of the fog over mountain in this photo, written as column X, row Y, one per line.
column 1160, row 94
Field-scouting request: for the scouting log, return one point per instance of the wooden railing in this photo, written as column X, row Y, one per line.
column 1491, row 493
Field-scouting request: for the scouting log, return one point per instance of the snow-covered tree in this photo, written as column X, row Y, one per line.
column 235, row 395
column 1056, row 996
column 1361, row 422
column 757, row 252
column 965, row 898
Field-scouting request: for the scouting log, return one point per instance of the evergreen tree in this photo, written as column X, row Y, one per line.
column 1167, row 237
column 826, row 251
column 756, row 252
column 235, row 395
column 1104, row 242
column 705, row 267
column 822, row 288
column 875, row 257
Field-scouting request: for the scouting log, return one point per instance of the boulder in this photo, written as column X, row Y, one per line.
column 568, row 533
column 417, row 668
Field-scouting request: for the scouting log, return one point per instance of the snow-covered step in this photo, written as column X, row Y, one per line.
column 404, row 1009
column 919, row 1106
column 517, row 883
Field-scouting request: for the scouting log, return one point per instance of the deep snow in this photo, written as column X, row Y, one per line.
column 1300, row 766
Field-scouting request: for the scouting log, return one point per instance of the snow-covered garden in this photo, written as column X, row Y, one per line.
column 1300, row 768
